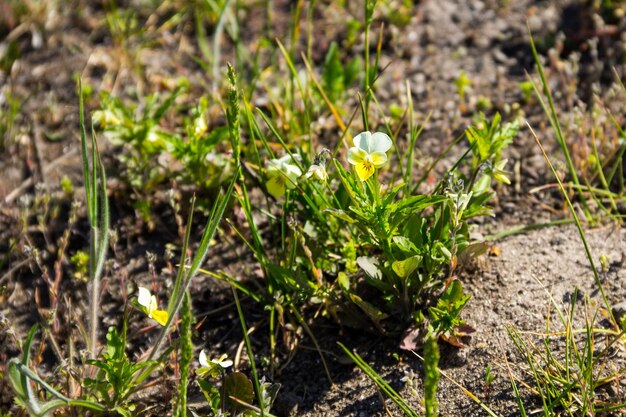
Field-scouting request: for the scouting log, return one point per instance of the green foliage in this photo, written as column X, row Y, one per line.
column 489, row 139
column 489, row 376
column 154, row 149
column 391, row 250
column 97, row 199
column 186, row 356
column 445, row 317
column 569, row 367
column 337, row 77
column 9, row 111
column 236, row 394
column 20, row 377
column 202, row 163
column 80, row 262
column 463, row 85
column 138, row 131
column 381, row 383
column 431, row 375
column 117, row 377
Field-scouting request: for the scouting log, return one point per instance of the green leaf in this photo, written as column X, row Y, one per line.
column 340, row 214
column 405, row 267
column 211, row 394
column 404, row 244
column 375, row 314
column 416, row 203
column 238, row 386
column 344, row 281
column 115, row 344
column 269, row 391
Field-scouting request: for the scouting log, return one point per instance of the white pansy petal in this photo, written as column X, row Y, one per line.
column 378, row 159
column 226, row 364
column 381, row 142
column 363, row 141
column 356, row 155
column 291, row 170
column 203, row 359
column 143, row 298
column 272, row 165
column 285, row 159
column 153, row 305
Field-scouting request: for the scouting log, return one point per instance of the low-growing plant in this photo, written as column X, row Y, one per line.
column 160, row 143
column 568, row 368
column 9, row 111
column 109, row 380
column 139, row 133
column 364, row 246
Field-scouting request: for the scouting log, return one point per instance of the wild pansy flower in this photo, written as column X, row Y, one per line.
column 148, row 304
column 211, row 366
column 282, row 174
column 317, row 170
column 369, row 153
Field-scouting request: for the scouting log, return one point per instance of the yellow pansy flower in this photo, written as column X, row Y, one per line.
column 369, row 153
column 148, row 303
column 282, row 174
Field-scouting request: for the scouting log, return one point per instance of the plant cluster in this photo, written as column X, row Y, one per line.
column 358, row 229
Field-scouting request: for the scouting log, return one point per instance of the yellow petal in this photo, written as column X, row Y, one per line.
column 365, row 170
column 160, row 316
column 378, row 159
column 276, row 186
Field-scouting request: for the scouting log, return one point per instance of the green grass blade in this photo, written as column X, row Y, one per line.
column 211, row 227
column 186, row 356
column 380, row 382
column 552, row 116
column 581, row 232
column 255, row 375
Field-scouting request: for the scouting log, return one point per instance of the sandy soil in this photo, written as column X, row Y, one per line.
column 489, row 41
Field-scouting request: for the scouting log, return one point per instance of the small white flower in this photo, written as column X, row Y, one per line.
column 282, row 174
column 369, row 153
column 317, row 172
column 208, row 366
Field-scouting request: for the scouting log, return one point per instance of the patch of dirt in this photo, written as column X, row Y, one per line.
column 486, row 39
column 512, row 289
